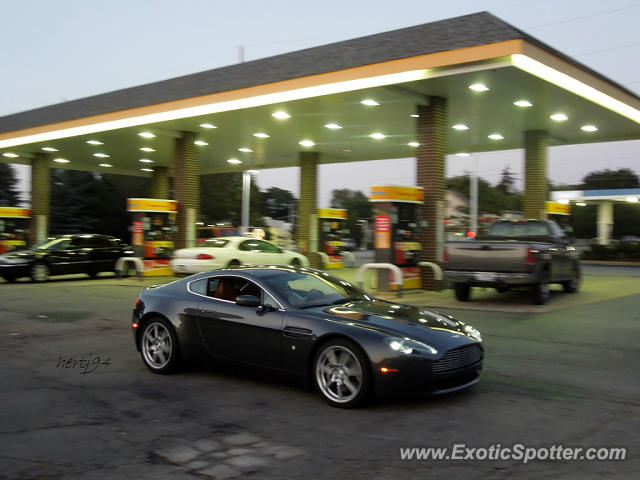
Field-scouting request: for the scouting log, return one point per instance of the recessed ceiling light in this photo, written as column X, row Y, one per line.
column 589, row 128
column 202, row 143
column 462, row 154
column 333, row 126
column 146, row 135
column 564, row 201
column 261, row 135
column 234, row 161
column 244, row 149
column 631, row 199
column 378, row 135
column 370, row 102
column 101, row 155
column 207, row 125
column 94, row 142
column 147, row 149
column 106, row 165
column 496, row 136
column 413, row 144
column 581, row 204
column 49, row 149
column 306, row 143
column 559, row 117
column 10, row 155
column 523, row 103
column 414, row 115
column 145, row 160
column 346, row 150
column 61, row 160
column 147, row 169
column 460, row 126
column 479, row 87
column 281, row 115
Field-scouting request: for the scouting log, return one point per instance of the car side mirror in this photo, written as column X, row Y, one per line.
column 248, row 301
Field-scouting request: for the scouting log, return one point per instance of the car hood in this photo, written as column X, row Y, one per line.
column 399, row 319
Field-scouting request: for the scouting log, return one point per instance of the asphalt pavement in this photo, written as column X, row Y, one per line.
column 561, row 376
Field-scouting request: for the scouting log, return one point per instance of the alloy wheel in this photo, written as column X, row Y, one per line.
column 157, row 345
column 339, row 374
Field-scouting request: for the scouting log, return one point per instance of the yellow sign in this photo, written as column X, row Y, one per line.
column 558, row 208
column 16, row 212
column 338, row 213
column 151, row 205
column 393, row 193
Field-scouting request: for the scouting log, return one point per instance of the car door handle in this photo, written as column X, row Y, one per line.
column 296, row 332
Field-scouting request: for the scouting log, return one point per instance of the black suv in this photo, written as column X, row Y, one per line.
column 82, row 253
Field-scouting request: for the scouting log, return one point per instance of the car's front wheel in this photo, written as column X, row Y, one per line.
column 341, row 373
column 39, row 272
column 159, row 346
column 295, row 262
column 233, row 263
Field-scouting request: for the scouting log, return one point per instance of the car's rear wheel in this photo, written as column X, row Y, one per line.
column 573, row 284
column 233, row 263
column 341, row 373
column 463, row 291
column 159, row 346
column 540, row 292
column 39, row 272
column 9, row 278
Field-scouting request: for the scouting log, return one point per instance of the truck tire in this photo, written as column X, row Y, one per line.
column 463, row 291
column 540, row 292
column 573, row 284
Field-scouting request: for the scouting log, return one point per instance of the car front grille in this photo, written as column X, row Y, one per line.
column 458, row 358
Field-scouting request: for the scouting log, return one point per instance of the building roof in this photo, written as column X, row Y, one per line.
column 450, row 34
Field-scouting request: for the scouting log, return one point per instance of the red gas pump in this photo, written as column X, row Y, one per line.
column 396, row 229
column 152, row 230
column 14, row 228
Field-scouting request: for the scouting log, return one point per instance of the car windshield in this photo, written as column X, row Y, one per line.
column 55, row 244
column 307, row 290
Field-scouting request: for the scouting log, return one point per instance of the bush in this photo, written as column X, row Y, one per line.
column 621, row 252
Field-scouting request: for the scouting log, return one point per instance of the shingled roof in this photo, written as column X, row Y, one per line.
column 451, row 34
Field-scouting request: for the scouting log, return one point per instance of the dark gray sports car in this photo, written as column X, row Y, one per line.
column 309, row 323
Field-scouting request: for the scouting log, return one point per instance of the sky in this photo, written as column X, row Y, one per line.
column 54, row 51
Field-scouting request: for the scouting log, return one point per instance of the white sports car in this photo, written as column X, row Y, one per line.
column 231, row 251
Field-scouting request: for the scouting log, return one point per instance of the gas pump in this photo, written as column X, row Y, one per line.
column 331, row 230
column 14, row 228
column 396, row 231
column 152, row 229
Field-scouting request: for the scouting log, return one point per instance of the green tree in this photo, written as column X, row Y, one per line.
column 9, row 194
column 74, row 202
column 278, row 203
column 358, row 207
column 221, row 199
column 490, row 199
column 507, row 181
column 610, row 179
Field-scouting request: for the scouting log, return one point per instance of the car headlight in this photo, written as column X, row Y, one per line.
column 473, row 333
column 408, row 346
column 14, row 261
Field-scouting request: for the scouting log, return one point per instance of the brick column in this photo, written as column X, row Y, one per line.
column 535, row 174
column 430, row 164
column 160, row 182
column 186, row 171
column 308, row 204
column 40, row 198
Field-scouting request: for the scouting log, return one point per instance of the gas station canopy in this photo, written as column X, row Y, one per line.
column 349, row 101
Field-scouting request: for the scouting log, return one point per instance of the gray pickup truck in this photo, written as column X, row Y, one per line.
column 514, row 254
